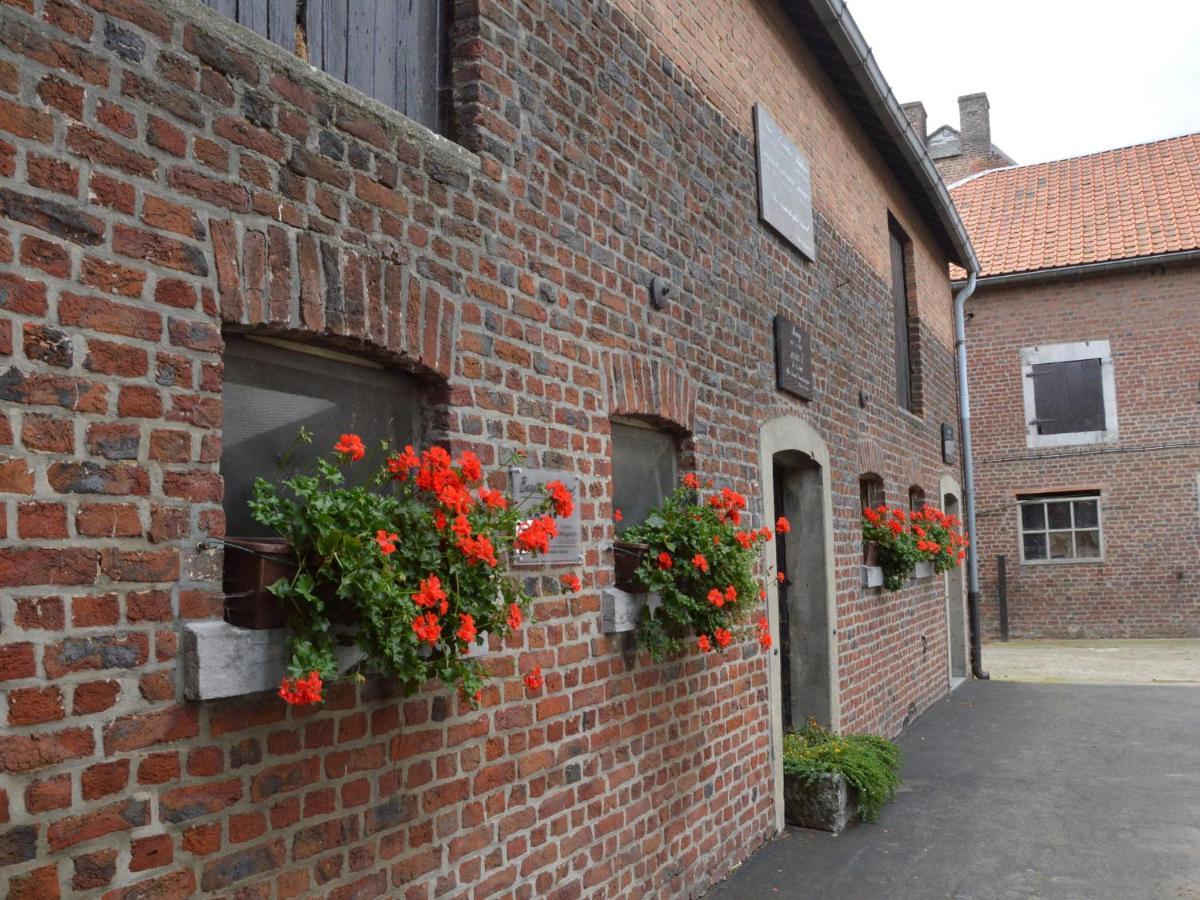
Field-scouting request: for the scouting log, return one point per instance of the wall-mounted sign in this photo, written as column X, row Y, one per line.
column 567, row 547
column 949, row 446
column 793, row 359
column 784, row 184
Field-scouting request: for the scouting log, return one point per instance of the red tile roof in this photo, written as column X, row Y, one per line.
column 1118, row 204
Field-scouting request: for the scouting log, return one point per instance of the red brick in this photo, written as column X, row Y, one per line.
column 256, row 860
column 94, row 697
column 116, row 118
column 170, row 446
column 93, row 611
column 111, row 277
column 112, row 318
column 165, row 136
column 160, row 250
column 104, row 779
column 197, row 486
column 26, row 753
column 25, row 122
column 179, row 218
column 52, row 174
column 23, row 296
column 175, row 293
column 246, row 827
column 69, row 18
column 51, row 258
column 44, row 344
column 108, row 520
column 103, row 151
column 40, row 613
column 113, row 193
column 137, row 12
column 94, row 870
column 107, row 358
column 141, row 565
column 39, row 884
column 96, row 652
column 157, row 686
column 32, row 706
column 47, row 794
column 151, row 852
column 97, row 478
column 41, row 521
column 15, row 478
column 139, row 402
column 48, row 434
column 145, row 730
column 159, row 768
column 115, row 817
column 55, row 54
column 36, row 566
column 76, row 394
column 186, row 803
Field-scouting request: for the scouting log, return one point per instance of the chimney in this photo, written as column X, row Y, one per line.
column 974, row 124
column 917, row 118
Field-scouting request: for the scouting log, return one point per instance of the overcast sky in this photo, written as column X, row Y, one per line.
column 1064, row 77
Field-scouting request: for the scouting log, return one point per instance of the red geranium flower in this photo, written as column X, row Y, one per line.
column 703, row 643
column 478, row 549
column 400, row 464
column 301, row 691
column 534, row 679
column 351, row 445
column 428, row 628
column 723, row 636
column 466, row 628
column 493, row 498
column 617, row 517
column 572, row 582
column 386, row 541
column 470, row 466
column 764, row 634
column 782, row 525
column 429, row 593
column 664, row 560
column 535, row 535
column 730, row 594
column 564, row 503
column 514, row 616
column 716, row 598
column 700, row 562
column 691, row 481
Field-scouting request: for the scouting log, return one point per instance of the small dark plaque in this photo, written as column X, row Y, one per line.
column 784, row 184
column 949, row 446
column 793, row 359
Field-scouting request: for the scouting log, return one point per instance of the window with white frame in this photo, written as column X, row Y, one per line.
column 1070, row 394
column 1060, row 527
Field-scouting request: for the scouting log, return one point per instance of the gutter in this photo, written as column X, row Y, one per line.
column 843, row 31
column 964, row 419
column 1084, row 269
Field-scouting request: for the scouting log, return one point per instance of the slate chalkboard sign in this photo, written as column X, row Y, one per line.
column 793, row 359
column 568, row 546
column 784, row 184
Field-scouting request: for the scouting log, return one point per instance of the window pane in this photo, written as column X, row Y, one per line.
column 270, row 392
column 1035, row 546
column 1060, row 545
column 1087, row 544
column 1086, row 514
column 1059, row 514
column 1033, row 516
column 644, row 470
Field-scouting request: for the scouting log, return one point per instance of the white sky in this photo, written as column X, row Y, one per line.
column 1063, row 77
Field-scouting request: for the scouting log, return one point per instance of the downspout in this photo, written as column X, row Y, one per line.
column 964, row 408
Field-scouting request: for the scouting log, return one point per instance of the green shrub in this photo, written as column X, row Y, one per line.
column 869, row 763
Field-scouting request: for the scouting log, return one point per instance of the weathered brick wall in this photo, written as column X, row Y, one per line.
column 971, row 162
column 164, row 176
column 1149, row 582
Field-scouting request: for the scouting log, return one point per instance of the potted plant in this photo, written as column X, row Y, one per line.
column 417, row 548
column 829, row 780
column 692, row 552
column 900, row 540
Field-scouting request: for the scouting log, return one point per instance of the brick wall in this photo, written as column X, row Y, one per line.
column 165, row 176
column 1149, row 582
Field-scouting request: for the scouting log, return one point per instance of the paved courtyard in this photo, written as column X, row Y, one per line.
column 1095, row 662
column 1017, row 791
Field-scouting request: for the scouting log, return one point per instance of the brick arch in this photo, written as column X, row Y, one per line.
column 283, row 278
column 870, row 457
column 650, row 389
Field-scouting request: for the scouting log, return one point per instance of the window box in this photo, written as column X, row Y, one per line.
column 252, row 565
column 627, row 557
column 826, row 803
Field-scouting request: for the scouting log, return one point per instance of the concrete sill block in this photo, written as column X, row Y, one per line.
column 222, row 660
column 924, row 569
column 621, row 610
column 872, row 576
column 827, row 803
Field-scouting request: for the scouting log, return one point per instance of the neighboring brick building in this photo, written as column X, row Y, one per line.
column 1084, row 367
column 966, row 151
column 169, row 182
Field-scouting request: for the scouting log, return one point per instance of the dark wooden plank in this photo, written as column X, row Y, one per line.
column 900, row 301
column 252, row 14
column 421, row 61
column 227, row 8
column 281, row 23
column 314, row 32
column 361, row 39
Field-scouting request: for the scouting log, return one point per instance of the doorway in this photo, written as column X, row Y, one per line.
column 796, row 483
column 956, row 610
column 803, row 614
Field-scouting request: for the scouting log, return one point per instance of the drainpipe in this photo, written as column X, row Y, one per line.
column 964, row 407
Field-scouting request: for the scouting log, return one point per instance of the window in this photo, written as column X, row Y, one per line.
column 870, row 491
column 1070, row 394
column 393, row 52
column 901, row 249
column 1060, row 527
column 273, row 387
column 645, row 468
column 916, row 499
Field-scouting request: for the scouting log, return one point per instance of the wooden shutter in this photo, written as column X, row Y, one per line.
column 900, row 301
column 1069, row 396
column 391, row 50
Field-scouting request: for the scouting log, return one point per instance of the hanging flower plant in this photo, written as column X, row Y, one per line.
column 701, row 562
column 904, row 539
column 417, row 547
